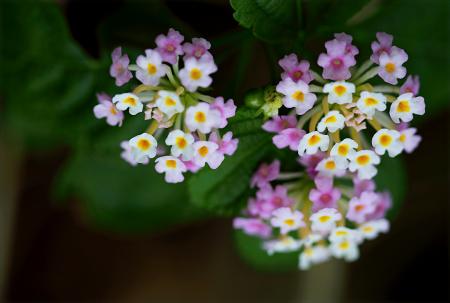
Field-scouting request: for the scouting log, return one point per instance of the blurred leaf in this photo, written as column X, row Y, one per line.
column 45, row 77
column 270, row 20
column 223, row 189
column 250, row 249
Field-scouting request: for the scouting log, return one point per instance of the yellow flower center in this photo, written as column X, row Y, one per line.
column 200, row 117
column 385, row 140
column 359, row 207
column 203, row 151
column 367, row 229
column 144, row 144
column 370, row 101
column 289, row 222
column 339, row 90
column 341, row 233
column 130, row 101
column 151, row 68
column 390, row 67
column 313, row 140
column 343, row 150
column 324, row 219
column 298, row 96
column 403, row 107
column 181, row 142
column 196, row 74
column 169, row 102
column 309, row 251
column 344, row 245
column 402, row 138
column 330, row 165
column 171, row 163
column 331, row 119
column 363, row 160
column 113, row 110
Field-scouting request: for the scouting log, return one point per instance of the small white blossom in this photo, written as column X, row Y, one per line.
column 169, row 103
column 143, row 146
column 201, row 117
column 296, row 95
column 363, row 161
column 387, row 140
column 324, row 221
column 346, row 249
column 339, row 92
column 369, row 102
column 332, row 121
column 371, row 229
column 150, row 68
column 332, row 166
column 196, row 73
column 285, row 244
column 286, row 219
column 204, row 152
column 181, row 144
column 343, row 233
column 313, row 255
column 172, row 167
column 312, row 142
column 405, row 106
column 128, row 101
column 344, row 149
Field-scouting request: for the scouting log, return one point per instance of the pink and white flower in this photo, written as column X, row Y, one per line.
column 226, row 110
column 196, row 73
column 287, row 220
column 387, row 140
column 202, row 117
column 324, row 195
column 150, row 68
column 279, row 123
column 169, row 47
column 289, row 137
column 337, row 61
column 411, row 85
column 294, row 69
column 296, row 95
column 172, row 167
column 403, row 108
column 253, row 227
column 198, row 49
column 383, row 45
column 391, row 67
column 265, row 174
column 204, row 153
column 119, row 68
column 312, row 142
column 107, row 109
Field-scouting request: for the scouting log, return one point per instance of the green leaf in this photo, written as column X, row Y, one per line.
column 223, row 190
column 269, row 20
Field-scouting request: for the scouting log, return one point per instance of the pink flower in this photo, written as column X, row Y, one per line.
column 289, row 137
column 119, row 68
column 198, row 49
column 337, row 61
column 360, row 186
column 408, row 138
column 382, row 204
column 191, row 166
column 349, row 47
column 294, row 69
column 226, row 110
column 253, row 227
column 265, row 174
column 267, row 200
column 411, row 85
column 324, row 195
column 169, row 47
column 278, row 123
column 310, row 162
column 383, row 45
column 391, row 67
column 107, row 109
column 360, row 209
column 227, row 146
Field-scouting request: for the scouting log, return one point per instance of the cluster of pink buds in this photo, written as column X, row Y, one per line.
column 171, row 97
column 332, row 207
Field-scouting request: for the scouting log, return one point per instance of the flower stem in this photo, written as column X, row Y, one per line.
column 152, row 127
column 368, row 75
column 356, row 137
column 143, row 88
column 308, row 115
column 314, row 120
column 202, row 97
column 325, row 105
column 317, row 77
column 365, row 66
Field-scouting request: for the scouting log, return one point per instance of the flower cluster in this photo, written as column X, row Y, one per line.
column 332, row 207
column 170, row 97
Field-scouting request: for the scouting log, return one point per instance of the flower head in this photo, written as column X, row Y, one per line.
column 383, row 45
column 107, row 109
column 226, row 110
column 150, row 68
column 369, row 102
column 405, row 106
column 202, row 117
column 143, row 146
column 312, row 142
column 265, row 174
column 296, row 95
column 294, row 69
column 337, row 61
column 409, row 140
column 119, row 68
column 286, row 219
column 204, row 153
column 332, row 122
column 279, row 123
column 411, row 85
column 198, row 49
column 169, row 103
column 196, row 73
column 371, row 229
column 391, row 67
column 344, row 149
column 339, row 92
column 254, row 227
column 324, row 220
column 332, row 166
column 324, row 195
column 364, row 162
column 181, row 143
column 169, row 46
column 387, row 140
column 172, row 167
column 289, row 137
column 128, row 101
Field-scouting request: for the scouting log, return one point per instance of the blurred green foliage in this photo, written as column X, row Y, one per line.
column 48, row 85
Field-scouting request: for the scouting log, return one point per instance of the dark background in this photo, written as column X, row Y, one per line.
column 58, row 253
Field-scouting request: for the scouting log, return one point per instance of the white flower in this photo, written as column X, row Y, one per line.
column 173, row 168
column 325, row 220
column 332, row 121
column 312, row 142
column 128, row 101
column 169, row 103
column 344, row 149
column 363, row 161
column 345, row 249
column 369, row 102
column 370, row 230
column 286, row 219
column 296, row 95
column 181, row 144
column 387, row 140
column 201, row 117
column 332, row 166
column 342, row 233
column 339, row 92
column 143, row 146
column 150, row 68
column 285, row 244
column 405, row 106
column 204, row 152
column 196, row 73
column 313, row 255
